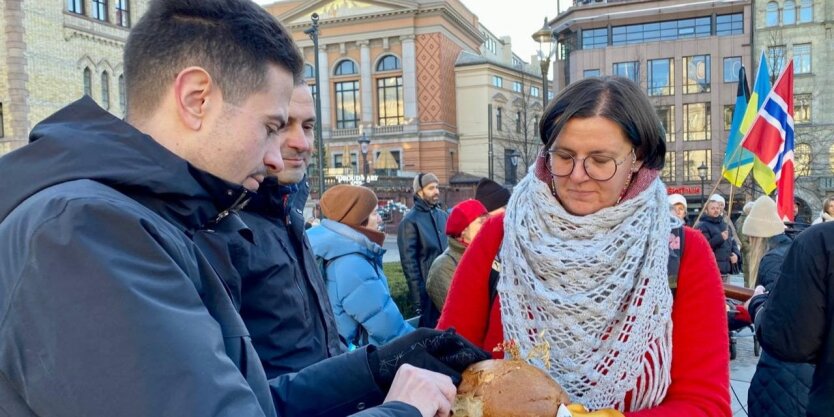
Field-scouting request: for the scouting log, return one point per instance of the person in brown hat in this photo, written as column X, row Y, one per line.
column 348, row 245
column 421, row 238
column 464, row 223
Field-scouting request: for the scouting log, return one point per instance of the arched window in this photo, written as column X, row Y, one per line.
column 105, row 90
column 806, row 11
column 88, row 82
column 802, row 160
column 388, row 63
column 789, row 13
column 345, row 67
column 309, row 72
column 122, row 94
column 772, row 14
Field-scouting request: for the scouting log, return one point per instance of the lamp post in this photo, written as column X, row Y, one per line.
column 313, row 33
column 515, row 158
column 702, row 172
column 545, row 39
column 363, row 147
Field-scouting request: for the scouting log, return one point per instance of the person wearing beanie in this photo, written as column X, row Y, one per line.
column 719, row 236
column 421, row 238
column 677, row 204
column 492, row 195
column 765, row 398
column 348, row 247
column 744, row 242
column 464, row 223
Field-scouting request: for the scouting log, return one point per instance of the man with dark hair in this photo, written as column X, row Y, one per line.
column 421, row 237
column 113, row 299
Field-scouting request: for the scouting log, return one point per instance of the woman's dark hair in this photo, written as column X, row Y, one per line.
column 617, row 99
column 234, row 40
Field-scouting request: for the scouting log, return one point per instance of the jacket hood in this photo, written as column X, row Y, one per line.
column 83, row 141
column 272, row 198
column 333, row 239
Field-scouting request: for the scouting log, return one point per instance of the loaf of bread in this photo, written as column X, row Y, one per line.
column 507, row 388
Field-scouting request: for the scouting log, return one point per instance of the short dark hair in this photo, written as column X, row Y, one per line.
column 234, row 40
column 617, row 99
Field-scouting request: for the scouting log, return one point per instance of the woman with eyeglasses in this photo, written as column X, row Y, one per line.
column 348, row 247
column 584, row 248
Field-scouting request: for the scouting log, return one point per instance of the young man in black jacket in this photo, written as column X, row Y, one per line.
column 113, row 300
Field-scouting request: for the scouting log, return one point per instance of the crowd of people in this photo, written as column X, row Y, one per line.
column 160, row 264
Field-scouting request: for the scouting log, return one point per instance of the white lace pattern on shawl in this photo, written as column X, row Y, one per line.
column 596, row 288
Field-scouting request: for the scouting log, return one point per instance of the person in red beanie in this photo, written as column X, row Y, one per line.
column 463, row 225
column 584, row 246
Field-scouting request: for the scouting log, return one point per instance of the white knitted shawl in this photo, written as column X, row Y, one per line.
column 595, row 288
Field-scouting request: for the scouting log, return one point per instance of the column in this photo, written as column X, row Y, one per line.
column 409, row 77
column 324, row 89
column 365, row 86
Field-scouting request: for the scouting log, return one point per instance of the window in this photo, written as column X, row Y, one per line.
column 667, row 120
column 806, row 11
column 590, row 73
column 626, row 69
column 518, row 122
column 594, row 38
column 772, row 14
column 347, row 104
column 388, row 63
column 729, row 24
column 802, row 108
column 499, row 118
column 696, row 122
column 692, row 160
column 776, row 59
column 668, row 30
column 88, row 82
column 100, row 10
column 489, row 44
column 535, row 123
column 668, row 172
column 389, row 92
column 2, row 130
column 534, row 91
column 728, row 115
column 550, row 95
column 75, row 6
column 696, row 74
column 123, row 13
column 122, row 94
column 802, row 58
column 354, row 161
column 345, row 67
column 314, row 90
column 517, row 63
column 105, row 90
column 338, row 160
column 309, row 72
column 497, row 81
column 802, row 160
column 661, row 78
column 518, row 87
column 731, row 67
column 789, row 13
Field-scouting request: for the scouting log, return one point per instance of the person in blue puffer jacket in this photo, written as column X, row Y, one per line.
column 348, row 246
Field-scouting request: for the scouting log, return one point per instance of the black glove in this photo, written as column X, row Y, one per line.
column 440, row 351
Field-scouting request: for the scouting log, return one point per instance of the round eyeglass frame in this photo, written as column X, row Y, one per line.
column 550, row 153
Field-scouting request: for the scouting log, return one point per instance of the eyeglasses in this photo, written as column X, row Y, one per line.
column 598, row 167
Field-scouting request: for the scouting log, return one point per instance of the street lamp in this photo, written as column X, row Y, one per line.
column 363, row 146
column 545, row 39
column 313, row 33
column 702, row 172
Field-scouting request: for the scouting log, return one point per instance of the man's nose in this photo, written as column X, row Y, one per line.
column 273, row 161
column 296, row 139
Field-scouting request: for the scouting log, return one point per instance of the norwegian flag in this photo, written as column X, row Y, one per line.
column 771, row 139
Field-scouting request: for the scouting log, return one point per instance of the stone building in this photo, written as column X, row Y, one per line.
column 55, row 51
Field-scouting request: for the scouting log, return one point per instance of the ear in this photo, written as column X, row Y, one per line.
column 636, row 166
column 194, row 91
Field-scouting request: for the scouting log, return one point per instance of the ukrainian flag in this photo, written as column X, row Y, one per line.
column 738, row 161
column 761, row 88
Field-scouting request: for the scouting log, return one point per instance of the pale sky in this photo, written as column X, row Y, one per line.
column 518, row 19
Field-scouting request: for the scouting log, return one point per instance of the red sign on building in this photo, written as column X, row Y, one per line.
column 684, row 189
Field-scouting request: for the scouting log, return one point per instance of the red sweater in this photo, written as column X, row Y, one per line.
column 700, row 345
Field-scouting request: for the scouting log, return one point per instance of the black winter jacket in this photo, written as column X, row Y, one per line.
column 108, row 304
column 421, row 237
column 797, row 323
column 712, row 227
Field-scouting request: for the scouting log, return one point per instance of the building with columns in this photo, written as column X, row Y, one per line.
column 55, row 51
